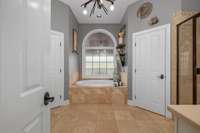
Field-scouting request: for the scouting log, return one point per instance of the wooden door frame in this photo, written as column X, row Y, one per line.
column 167, row 27
column 194, row 43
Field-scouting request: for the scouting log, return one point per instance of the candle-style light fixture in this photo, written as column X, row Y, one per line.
column 100, row 4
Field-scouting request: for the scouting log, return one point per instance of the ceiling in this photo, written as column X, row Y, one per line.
column 114, row 17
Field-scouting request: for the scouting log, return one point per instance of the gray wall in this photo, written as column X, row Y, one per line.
column 63, row 20
column 190, row 5
column 86, row 28
column 73, row 65
column 164, row 9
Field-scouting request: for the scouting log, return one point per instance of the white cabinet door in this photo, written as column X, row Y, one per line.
column 150, row 70
column 24, row 45
column 56, row 68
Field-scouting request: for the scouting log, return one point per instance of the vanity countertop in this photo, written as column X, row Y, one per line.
column 190, row 113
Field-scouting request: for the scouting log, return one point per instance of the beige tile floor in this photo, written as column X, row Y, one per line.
column 106, row 118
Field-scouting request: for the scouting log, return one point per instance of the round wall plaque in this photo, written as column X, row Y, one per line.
column 145, row 10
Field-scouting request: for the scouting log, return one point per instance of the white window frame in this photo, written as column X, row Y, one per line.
column 84, row 76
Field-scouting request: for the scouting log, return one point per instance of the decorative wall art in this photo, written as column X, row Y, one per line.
column 153, row 21
column 121, row 47
column 75, row 41
column 145, row 10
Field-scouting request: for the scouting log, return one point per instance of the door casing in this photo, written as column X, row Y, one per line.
column 167, row 65
column 56, row 69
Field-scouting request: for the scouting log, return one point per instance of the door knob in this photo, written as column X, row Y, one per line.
column 162, row 76
column 48, row 99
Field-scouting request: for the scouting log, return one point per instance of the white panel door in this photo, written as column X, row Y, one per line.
column 150, row 70
column 24, row 45
column 56, row 68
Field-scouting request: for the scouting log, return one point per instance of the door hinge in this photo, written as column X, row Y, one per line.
column 135, row 44
column 135, row 70
column 60, row 44
column 60, row 70
column 60, row 97
column 135, row 97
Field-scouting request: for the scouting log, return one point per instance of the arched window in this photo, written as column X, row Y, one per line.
column 98, row 55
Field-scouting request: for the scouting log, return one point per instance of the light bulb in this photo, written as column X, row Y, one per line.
column 99, row 16
column 85, row 12
column 112, row 7
column 34, row 5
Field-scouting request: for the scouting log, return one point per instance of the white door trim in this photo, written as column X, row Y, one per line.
column 60, row 34
column 167, row 65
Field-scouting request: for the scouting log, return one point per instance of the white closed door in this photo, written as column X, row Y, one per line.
column 24, row 45
column 149, row 68
column 56, row 68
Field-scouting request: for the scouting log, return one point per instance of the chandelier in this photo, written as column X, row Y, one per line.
column 100, row 4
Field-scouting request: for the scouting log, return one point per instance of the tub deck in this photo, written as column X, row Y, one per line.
column 98, row 95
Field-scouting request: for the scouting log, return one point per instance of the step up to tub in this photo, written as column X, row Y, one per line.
column 104, row 95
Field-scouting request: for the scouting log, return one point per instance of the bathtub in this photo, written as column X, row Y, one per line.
column 95, row 83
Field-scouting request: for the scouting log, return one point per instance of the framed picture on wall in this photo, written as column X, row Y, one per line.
column 75, row 41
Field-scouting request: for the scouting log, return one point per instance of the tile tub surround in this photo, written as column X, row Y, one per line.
column 107, row 118
column 98, row 95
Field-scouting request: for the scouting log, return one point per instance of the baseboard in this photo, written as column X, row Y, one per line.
column 168, row 114
column 131, row 103
column 66, row 102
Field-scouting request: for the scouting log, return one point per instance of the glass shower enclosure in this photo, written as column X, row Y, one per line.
column 188, row 61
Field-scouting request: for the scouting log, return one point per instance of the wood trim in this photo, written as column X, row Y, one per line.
column 176, row 19
column 177, row 75
column 192, row 17
column 194, row 22
column 194, row 62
